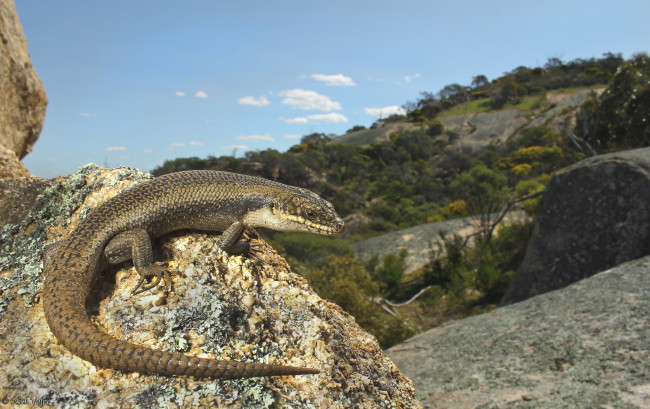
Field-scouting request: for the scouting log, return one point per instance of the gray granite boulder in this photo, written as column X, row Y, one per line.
column 595, row 215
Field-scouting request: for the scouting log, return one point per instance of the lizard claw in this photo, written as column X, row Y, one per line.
column 255, row 251
column 36, row 297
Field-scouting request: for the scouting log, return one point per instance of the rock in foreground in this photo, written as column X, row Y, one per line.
column 229, row 307
column 584, row 346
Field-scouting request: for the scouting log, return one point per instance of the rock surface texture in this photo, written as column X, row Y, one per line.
column 229, row 307
column 584, row 346
column 595, row 215
column 22, row 97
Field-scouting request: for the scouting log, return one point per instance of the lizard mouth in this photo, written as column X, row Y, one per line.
column 332, row 228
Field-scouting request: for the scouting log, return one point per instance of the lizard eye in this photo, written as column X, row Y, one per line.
column 310, row 214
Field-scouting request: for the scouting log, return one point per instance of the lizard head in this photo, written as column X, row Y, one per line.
column 301, row 211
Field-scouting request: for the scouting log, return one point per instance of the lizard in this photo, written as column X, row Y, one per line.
column 122, row 227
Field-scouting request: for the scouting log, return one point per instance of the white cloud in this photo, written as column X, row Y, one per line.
column 298, row 120
column 333, row 118
column 292, row 136
column 179, row 93
column 337, row 80
column 385, row 112
column 176, row 145
column 115, row 148
column 196, row 143
column 147, row 150
column 251, row 100
column 87, row 114
column 307, row 100
column 409, row 78
column 265, row 137
column 201, row 94
column 238, row 147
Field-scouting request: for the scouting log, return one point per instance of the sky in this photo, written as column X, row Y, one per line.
column 136, row 83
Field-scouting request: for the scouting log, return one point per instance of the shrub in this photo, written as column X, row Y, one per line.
column 344, row 281
column 389, row 273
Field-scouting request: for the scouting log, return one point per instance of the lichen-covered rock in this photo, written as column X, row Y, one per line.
column 584, row 346
column 595, row 215
column 222, row 306
column 23, row 100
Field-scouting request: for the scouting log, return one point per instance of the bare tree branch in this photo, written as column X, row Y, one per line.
column 582, row 145
column 389, row 306
column 506, row 208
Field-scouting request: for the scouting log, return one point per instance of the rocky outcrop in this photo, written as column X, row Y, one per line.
column 22, row 106
column 595, row 215
column 481, row 129
column 222, row 306
column 419, row 240
column 584, row 346
column 555, row 110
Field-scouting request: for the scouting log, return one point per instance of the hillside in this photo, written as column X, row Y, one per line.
column 466, row 151
column 376, row 134
column 472, row 125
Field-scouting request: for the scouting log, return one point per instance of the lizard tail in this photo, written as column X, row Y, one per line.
column 67, row 318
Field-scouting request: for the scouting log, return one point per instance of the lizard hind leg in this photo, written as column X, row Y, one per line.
column 136, row 245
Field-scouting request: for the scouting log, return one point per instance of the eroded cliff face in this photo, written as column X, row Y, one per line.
column 23, row 100
column 222, row 306
column 595, row 215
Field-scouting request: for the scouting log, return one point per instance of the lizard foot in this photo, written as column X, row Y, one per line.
column 255, row 251
column 157, row 271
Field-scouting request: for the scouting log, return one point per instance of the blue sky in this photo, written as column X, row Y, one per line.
column 137, row 82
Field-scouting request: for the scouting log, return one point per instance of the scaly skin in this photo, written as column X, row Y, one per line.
column 202, row 200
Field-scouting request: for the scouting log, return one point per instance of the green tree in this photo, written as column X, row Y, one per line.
column 479, row 81
column 621, row 117
column 507, row 90
column 355, row 129
column 484, row 190
column 446, row 260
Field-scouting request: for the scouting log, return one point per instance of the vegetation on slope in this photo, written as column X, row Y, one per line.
column 417, row 176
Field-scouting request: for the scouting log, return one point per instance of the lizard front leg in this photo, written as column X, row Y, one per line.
column 230, row 242
column 136, row 245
